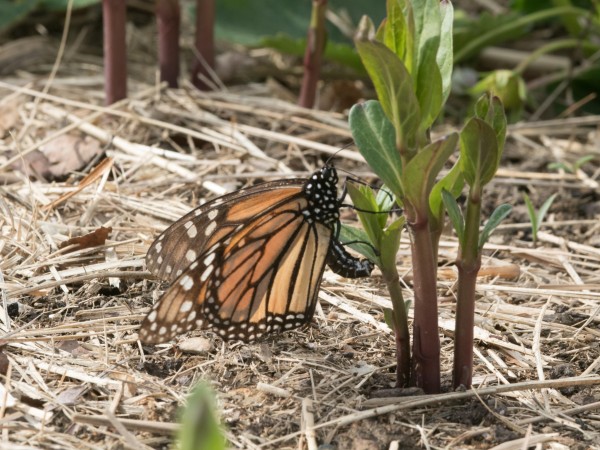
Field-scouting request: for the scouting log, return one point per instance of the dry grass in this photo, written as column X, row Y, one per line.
column 76, row 376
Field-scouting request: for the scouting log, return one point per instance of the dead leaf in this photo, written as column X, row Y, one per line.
column 93, row 239
column 94, row 175
column 69, row 152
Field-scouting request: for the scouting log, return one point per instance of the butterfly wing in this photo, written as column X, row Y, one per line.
column 180, row 244
column 258, row 271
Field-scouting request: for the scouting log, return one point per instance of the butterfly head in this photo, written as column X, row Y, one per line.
column 321, row 192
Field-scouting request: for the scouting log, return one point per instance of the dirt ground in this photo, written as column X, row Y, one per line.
column 75, row 376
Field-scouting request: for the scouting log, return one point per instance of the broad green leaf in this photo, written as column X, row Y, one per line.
column 452, row 182
column 427, row 31
column 11, row 13
column 429, row 93
column 61, row 5
column 398, row 33
column 478, row 153
column 544, row 209
column 532, row 214
column 444, row 54
column 499, row 214
column 358, row 241
column 393, row 84
column 421, row 171
column 428, row 78
column 375, row 137
column 363, row 200
column 505, row 84
column 456, row 217
column 200, row 428
column 491, row 111
column 249, row 22
column 390, row 242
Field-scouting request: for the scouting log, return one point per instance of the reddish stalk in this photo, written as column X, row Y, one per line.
column 468, row 264
column 205, row 44
column 168, row 17
column 426, row 340
column 401, row 332
column 115, row 51
column 313, row 56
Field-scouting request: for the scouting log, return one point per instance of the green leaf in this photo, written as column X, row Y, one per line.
column 375, row 137
column 456, row 216
column 421, row 171
column 61, row 5
column 359, row 241
column 429, row 93
column 478, row 153
column 490, row 109
column 445, row 52
column 398, row 32
column 11, row 13
column 508, row 85
column 200, row 428
column 393, row 84
column 499, row 214
column 364, row 201
column 452, row 182
column 428, row 78
column 388, row 317
column 544, row 209
column 390, row 242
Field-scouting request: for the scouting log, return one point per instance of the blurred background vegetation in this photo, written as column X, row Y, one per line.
column 540, row 57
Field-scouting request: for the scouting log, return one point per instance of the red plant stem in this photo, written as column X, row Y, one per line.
column 468, row 264
column 313, row 56
column 401, row 331
column 205, row 44
column 115, row 51
column 168, row 17
column 426, row 340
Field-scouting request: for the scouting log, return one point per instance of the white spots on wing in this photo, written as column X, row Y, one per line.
column 186, row 306
column 190, row 255
column 159, row 260
column 210, row 228
column 163, row 330
column 186, row 283
column 152, row 316
column 168, row 269
column 206, row 273
column 212, row 214
column 179, row 272
column 192, row 231
column 158, row 247
column 209, row 259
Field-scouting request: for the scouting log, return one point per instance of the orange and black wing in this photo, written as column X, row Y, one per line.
column 179, row 245
column 259, row 270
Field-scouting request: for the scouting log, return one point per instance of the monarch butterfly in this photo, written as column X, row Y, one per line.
column 250, row 262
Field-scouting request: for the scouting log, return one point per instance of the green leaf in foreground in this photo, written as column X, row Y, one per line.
column 200, row 429
column 499, row 214
column 455, row 214
column 375, row 137
column 392, row 82
column 478, row 152
column 358, row 240
column 420, row 174
column 453, row 182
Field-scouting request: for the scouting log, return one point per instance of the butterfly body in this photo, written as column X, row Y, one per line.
column 250, row 262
